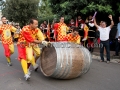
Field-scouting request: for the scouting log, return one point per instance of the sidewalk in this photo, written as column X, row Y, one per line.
column 96, row 55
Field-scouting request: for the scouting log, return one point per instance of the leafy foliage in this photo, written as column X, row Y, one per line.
column 72, row 8
column 21, row 10
column 118, row 4
column 1, row 4
column 96, row 7
column 45, row 12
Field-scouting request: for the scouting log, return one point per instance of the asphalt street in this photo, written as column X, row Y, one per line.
column 101, row 76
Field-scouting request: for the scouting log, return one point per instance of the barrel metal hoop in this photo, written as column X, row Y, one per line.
column 87, row 60
column 70, row 64
column 90, row 57
column 61, row 62
column 82, row 50
column 66, row 66
column 58, row 62
column 90, row 60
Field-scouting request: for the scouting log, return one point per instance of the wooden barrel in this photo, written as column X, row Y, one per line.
column 64, row 60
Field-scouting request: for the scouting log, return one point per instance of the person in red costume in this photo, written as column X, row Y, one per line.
column 80, row 20
column 60, row 30
column 29, row 36
column 73, row 37
column 53, row 30
column 6, row 38
column 72, row 23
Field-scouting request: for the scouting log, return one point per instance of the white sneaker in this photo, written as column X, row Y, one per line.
column 29, row 72
column 35, row 67
column 27, row 77
column 84, row 39
column 9, row 64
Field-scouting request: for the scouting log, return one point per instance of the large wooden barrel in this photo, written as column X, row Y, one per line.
column 64, row 60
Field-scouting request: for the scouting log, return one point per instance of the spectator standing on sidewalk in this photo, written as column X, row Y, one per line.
column 104, row 38
column 117, row 44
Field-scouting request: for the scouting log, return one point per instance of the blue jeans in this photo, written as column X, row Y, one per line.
column 107, row 48
column 117, row 47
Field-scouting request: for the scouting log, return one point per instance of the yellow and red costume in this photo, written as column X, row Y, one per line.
column 74, row 39
column 6, row 38
column 83, row 26
column 86, row 29
column 60, row 31
column 26, row 47
column 16, row 34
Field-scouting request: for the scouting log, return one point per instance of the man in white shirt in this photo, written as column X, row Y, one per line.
column 104, row 38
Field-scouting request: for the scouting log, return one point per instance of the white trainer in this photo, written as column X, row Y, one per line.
column 9, row 64
column 29, row 72
column 27, row 77
column 35, row 67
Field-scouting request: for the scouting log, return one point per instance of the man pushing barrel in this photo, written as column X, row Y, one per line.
column 29, row 37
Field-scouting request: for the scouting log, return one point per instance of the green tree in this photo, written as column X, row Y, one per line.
column 72, row 8
column 21, row 10
column 2, row 4
column 45, row 11
column 118, row 4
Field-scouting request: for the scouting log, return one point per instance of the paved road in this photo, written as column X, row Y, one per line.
column 102, row 76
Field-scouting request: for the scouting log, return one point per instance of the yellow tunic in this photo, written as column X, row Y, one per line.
column 5, row 31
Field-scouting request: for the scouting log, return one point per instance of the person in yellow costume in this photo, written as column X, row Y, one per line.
column 29, row 37
column 6, row 38
column 38, row 35
column 73, row 37
column 60, row 30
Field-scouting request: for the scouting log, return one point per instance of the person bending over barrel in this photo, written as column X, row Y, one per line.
column 30, row 35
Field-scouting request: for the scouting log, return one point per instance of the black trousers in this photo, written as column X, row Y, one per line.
column 117, row 47
column 107, row 47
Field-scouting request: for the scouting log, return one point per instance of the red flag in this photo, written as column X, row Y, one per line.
column 76, row 23
column 55, row 26
column 48, row 30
